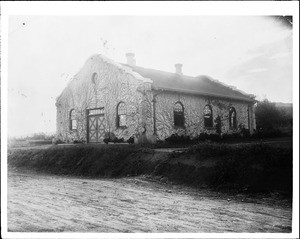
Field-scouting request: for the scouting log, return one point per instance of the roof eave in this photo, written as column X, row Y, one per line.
column 250, row 100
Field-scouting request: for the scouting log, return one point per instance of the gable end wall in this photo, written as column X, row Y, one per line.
column 112, row 86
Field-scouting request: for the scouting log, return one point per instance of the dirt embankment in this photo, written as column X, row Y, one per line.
column 243, row 168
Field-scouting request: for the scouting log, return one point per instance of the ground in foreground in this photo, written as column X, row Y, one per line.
column 50, row 203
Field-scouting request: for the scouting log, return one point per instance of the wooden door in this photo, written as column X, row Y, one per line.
column 96, row 128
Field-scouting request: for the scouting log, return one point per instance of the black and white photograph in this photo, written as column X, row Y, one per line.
column 149, row 120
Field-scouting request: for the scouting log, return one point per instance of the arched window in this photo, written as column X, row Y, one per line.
column 178, row 115
column 232, row 118
column 208, row 117
column 121, row 114
column 94, row 77
column 73, row 121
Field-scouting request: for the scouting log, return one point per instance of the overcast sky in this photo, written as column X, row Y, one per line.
column 44, row 52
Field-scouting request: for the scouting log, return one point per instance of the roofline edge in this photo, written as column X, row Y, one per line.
column 203, row 94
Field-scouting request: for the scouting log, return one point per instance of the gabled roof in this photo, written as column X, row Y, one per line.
column 202, row 85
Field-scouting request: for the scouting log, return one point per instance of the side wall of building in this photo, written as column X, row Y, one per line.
column 115, row 83
column 194, row 117
column 112, row 85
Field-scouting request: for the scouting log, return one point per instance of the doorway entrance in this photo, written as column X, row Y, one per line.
column 95, row 125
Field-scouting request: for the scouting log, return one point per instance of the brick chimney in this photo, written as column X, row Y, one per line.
column 178, row 68
column 130, row 59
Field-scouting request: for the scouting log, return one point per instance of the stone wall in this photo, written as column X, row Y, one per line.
column 193, row 114
column 114, row 84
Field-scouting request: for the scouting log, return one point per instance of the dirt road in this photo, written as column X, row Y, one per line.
column 50, row 203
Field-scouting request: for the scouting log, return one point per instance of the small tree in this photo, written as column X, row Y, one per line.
column 268, row 116
column 218, row 125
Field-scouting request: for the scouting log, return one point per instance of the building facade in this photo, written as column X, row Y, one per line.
column 109, row 99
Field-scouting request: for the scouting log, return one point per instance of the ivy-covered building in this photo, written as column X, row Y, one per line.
column 107, row 98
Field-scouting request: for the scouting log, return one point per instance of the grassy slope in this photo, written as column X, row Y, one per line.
column 253, row 167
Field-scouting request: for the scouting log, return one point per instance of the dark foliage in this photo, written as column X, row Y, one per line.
column 254, row 167
column 269, row 117
column 113, row 140
column 106, row 140
column 247, row 168
column 218, row 125
column 117, row 140
column 131, row 140
column 241, row 135
column 83, row 160
column 79, row 141
column 273, row 133
column 178, row 139
column 204, row 136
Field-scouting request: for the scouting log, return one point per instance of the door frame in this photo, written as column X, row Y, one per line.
column 88, row 121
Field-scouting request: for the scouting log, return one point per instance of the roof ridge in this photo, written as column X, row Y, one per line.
column 168, row 72
column 231, row 87
column 153, row 74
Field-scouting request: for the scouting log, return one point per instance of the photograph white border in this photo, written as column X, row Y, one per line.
column 143, row 8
